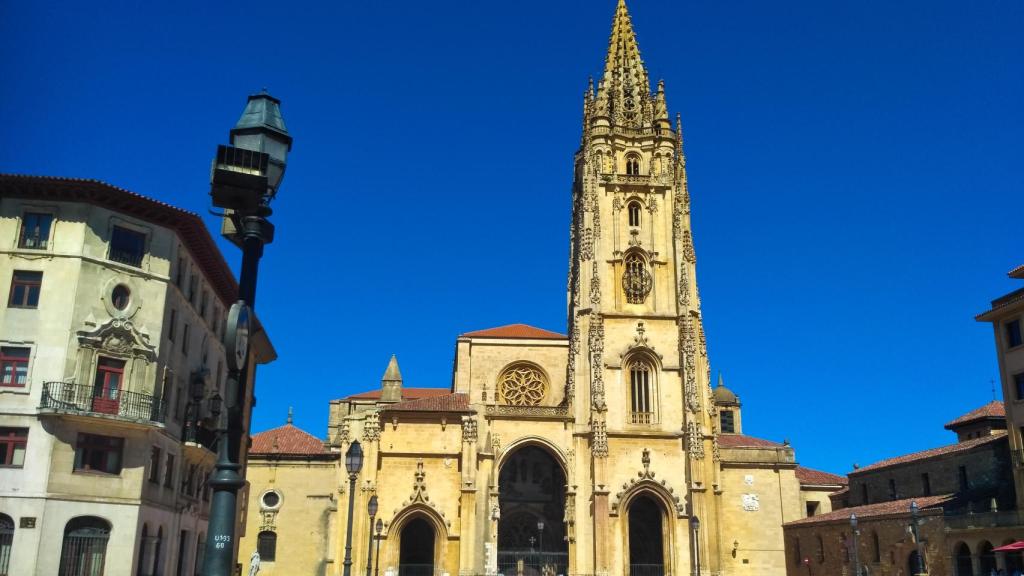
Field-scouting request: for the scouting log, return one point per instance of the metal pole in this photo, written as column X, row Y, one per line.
column 226, row 481
column 369, row 549
column 696, row 549
column 348, row 537
column 917, row 537
column 856, row 553
column 376, row 561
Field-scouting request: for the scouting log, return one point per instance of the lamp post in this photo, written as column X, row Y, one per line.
column 371, row 509
column 353, row 463
column 917, row 538
column 376, row 562
column 244, row 178
column 540, row 530
column 695, row 526
column 856, row 547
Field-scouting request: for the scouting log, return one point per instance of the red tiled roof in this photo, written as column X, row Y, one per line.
column 893, row 507
column 934, row 452
column 286, row 439
column 741, row 441
column 457, row 402
column 818, row 477
column 1017, row 272
column 515, row 331
column 189, row 226
column 407, row 394
column 994, row 409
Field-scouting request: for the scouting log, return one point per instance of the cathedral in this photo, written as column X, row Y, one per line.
column 607, row 450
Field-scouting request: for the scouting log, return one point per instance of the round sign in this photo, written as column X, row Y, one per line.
column 236, row 338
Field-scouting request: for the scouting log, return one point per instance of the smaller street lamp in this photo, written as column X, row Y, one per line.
column 917, row 537
column 856, row 547
column 371, row 509
column 353, row 463
column 376, row 563
column 540, row 529
column 695, row 526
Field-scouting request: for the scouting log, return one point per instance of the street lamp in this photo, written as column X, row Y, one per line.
column 244, row 178
column 917, row 539
column 856, row 547
column 695, row 526
column 353, row 463
column 371, row 509
column 540, row 529
column 376, row 563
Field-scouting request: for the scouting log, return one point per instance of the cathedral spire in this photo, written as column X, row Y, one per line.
column 624, row 90
column 391, row 383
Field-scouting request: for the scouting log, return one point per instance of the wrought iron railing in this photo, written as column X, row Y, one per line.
column 415, row 570
column 641, row 417
column 646, row 570
column 126, row 256
column 87, row 399
column 985, row 520
column 533, row 563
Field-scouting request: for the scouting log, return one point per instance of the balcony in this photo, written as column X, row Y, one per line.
column 984, row 520
column 82, row 399
column 641, row 417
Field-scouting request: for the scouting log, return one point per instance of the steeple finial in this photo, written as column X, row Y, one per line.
column 625, row 77
column 721, row 381
column 291, row 414
column 391, row 383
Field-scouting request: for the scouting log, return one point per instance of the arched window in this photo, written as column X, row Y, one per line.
column 641, row 403
column 727, row 419
column 821, row 550
column 141, row 569
column 84, row 550
column 876, row 548
column 6, row 542
column 636, row 279
column 158, row 549
column 844, row 548
column 632, row 165
column 797, row 556
column 200, row 551
column 266, row 545
column 634, row 213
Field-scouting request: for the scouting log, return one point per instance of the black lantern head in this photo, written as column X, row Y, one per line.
column 695, row 522
column 371, row 506
column 215, row 405
column 354, row 458
column 853, row 521
column 380, row 526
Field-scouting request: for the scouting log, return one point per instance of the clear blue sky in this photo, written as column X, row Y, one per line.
column 855, row 169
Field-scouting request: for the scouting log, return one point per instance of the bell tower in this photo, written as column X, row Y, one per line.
column 638, row 369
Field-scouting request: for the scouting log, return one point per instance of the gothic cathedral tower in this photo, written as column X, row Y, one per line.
column 638, row 374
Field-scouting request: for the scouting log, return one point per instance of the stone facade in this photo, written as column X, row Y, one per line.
column 116, row 357
column 595, row 452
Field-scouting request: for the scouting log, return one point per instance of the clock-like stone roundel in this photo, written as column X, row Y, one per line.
column 522, row 385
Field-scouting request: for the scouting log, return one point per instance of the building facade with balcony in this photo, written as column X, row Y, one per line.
column 110, row 351
column 966, row 508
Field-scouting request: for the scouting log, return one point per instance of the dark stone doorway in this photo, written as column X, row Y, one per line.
column 646, row 538
column 531, row 488
column 416, row 556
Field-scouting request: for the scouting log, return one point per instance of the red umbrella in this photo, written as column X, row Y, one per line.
column 1019, row 545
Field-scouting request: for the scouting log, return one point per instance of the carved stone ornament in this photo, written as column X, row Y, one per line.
column 600, row 441
column 695, row 440
column 751, row 502
column 684, row 287
column 118, row 336
column 469, row 429
column 495, row 443
column 689, row 364
column 587, row 245
column 522, row 385
column 646, row 476
column 636, row 279
column 346, row 431
column 596, row 337
column 371, row 428
column 688, row 252
column 268, row 520
column 419, row 492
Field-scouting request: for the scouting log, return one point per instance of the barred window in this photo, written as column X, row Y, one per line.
column 636, row 280
column 634, row 213
column 266, row 544
column 84, row 550
column 632, row 165
column 641, row 403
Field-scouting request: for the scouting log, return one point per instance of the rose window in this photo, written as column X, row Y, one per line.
column 636, row 281
column 522, row 385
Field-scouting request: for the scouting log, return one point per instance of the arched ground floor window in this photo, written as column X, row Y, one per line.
column 84, row 550
column 6, row 543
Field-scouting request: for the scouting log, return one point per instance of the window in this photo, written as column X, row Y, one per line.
column 728, row 421
column 172, row 325
column 864, row 493
column 127, row 246
column 216, row 321
column 892, row 489
column 797, row 556
column 821, row 550
column 1018, row 383
column 95, row 453
column 25, row 288
column 184, row 341
column 636, row 280
column 266, row 544
column 35, row 230
column 169, row 472
column 193, row 289
column 926, row 484
column 641, row 406
column 154, row 465
column 634, row 213
column 12, row 447
column 6, row 542
column 812, row 508
column 271, row 500
column 14, row 366
column 179, row 278
column 106, row 392
column 632, row 165
column 84, row 550
column 1013, row 336
column 120, row 296
column 876, row 547
column 202, row 304
column 964, row 484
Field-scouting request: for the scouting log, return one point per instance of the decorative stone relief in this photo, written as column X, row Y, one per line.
column 419, row 493
column 646, row 476
column 345, row 435
column 751, row 502
column 268, row 521
column 636, row 280
column 596, row 337
column 496, row 443
column 688, row 252
column 600, row 445
column 371, row 428
column 684, row 287
column 687, row 349
column 716, row 454
column 118, row 336
column 469, row 429
column 522, row 385
column 695, row 440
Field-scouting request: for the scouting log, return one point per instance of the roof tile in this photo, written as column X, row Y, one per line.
column 741, row 441
column 932, row 453
column 407, row 394
column 457, row 402
column 818, row 477
column 523, row 331
column 286, row 439
column 876, row 509
column 994, row 409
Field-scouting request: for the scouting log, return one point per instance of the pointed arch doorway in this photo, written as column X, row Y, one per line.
column 531, row 528
column 416, row 548
column 647, row 527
